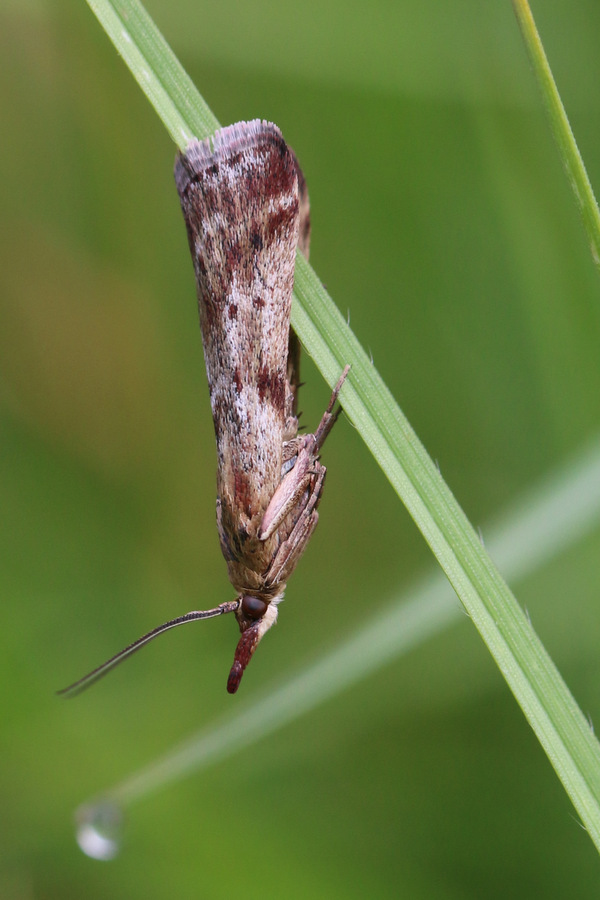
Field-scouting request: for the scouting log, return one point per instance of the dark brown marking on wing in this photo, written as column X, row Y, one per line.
column 272, row 386
column 243, row 491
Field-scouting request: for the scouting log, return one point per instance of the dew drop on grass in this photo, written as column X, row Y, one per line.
column 99, row 829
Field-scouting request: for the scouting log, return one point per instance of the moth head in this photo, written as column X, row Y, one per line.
column 255, row 616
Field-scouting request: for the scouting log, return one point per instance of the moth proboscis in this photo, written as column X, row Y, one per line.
column 245, row 206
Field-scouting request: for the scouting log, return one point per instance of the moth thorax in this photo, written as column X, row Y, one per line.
column 253, row 607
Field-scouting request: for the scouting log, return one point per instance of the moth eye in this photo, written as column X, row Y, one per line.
column 253, row 607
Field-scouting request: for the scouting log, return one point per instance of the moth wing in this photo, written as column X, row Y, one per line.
column 241, row 207
column 293, row 365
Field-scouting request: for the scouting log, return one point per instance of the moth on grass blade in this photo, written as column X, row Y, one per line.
column 245, row 206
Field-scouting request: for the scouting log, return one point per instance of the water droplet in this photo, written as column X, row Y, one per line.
column 99, row 829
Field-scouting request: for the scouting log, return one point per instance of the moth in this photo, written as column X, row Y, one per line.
column 245, row 205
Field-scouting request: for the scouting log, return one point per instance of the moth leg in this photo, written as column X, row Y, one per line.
column 293, row 547
column 294, row 483
column 329, row 416
column 290, row 491
column 291, row 449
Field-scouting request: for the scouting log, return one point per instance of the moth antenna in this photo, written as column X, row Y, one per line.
column 100, row 671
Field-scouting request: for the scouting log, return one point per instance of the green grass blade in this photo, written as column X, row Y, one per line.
column 156, row 69
column 559, row 724
column 561, row 129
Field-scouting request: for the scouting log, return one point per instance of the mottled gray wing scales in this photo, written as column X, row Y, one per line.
column 240, row 203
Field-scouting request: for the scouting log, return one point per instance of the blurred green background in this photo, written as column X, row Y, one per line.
column 442, row 222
